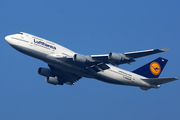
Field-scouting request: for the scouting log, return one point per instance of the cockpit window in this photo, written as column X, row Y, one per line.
column 20, row 33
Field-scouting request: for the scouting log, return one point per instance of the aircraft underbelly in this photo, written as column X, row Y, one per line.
column 109, row 75
column 112, row 77
column 115, row 77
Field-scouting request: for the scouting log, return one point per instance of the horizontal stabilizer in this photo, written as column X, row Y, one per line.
column 158, row 81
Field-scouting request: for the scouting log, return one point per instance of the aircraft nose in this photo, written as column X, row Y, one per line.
column 8, row 38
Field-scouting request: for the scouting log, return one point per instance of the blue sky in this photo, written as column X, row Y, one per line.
column 89, row 27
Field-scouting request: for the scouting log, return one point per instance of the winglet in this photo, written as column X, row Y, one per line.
column 164, row 49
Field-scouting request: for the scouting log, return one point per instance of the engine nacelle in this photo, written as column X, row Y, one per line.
column 53, row 80
column 44, row 72
column 115, row 56
column 79, row 58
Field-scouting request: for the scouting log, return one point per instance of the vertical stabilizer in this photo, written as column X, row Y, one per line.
column 152, row 69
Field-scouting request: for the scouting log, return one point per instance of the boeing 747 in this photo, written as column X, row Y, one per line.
column 66, row 66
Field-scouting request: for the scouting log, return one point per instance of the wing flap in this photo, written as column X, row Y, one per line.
column 158, row 81
column 65, row 77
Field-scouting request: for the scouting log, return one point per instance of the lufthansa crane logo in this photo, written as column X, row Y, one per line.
column 155, row 68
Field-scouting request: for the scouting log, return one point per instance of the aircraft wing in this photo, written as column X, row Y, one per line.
column 64, row 77
column 158, row 81
column 113, row 58
column 121, row 58
column 138, row 54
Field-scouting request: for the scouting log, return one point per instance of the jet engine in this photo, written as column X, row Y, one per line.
column 115, row 56
column 45, row 72
column 79, row 58
column 52, row 80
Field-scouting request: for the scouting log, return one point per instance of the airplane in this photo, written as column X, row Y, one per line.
column 66, row 66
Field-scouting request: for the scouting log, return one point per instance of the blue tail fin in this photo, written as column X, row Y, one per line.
column 152, row 69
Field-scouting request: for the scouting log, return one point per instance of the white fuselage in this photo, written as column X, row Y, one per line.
column 46, row 50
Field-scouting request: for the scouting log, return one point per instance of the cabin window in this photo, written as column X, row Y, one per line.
column 20, row 33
